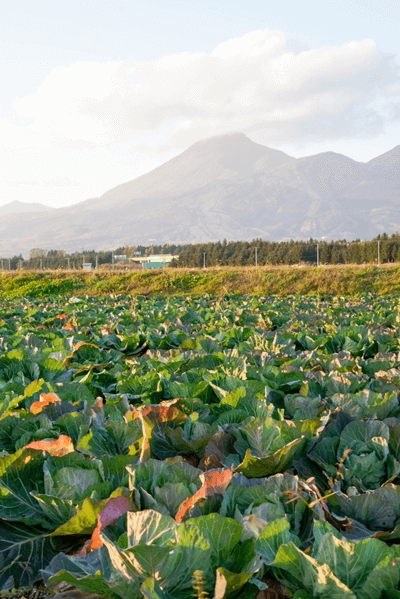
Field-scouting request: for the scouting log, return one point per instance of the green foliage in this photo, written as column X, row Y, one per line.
column 236, row 428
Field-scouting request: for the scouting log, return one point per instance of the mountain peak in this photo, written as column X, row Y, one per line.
column 219, row 158
column 236, row 153
column 16, row 207
column 221, row 141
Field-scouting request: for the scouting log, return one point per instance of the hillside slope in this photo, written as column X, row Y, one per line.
column 225, row 187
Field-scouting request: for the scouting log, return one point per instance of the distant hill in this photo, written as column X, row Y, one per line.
column 226, row 187
column 18, row 207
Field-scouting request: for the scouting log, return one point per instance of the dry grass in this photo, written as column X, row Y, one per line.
column 265, row 280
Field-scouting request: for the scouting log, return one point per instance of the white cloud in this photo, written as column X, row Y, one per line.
column 252, row 83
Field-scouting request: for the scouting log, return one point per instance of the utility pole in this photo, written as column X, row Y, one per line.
column 112, row 260
column 41, row 263
column 255, row 249
column 379, row 252
column 2, row 264
column 69, row 263
column 97, row 261
column 204, row 259
column 317, row 254
column 9, row 264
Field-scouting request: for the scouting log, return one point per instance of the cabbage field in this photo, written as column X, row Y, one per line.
column 201, row 447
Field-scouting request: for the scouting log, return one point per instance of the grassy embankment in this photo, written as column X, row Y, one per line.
column 272, row 280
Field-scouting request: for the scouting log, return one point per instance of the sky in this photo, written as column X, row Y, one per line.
column 97, row 92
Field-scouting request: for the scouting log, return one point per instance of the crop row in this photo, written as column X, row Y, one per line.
column 171, row 448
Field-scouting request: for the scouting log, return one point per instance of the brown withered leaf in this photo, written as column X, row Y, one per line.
column 214, row 481
column 115, row 507
column 342, row 524
column 62, row 316
column 44, row 400
column 165, row 411
column 55, row 447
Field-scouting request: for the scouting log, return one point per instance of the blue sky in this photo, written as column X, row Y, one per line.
column 95, row 93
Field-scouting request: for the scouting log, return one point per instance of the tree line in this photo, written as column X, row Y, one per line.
column 244, row 253
column 384, row 248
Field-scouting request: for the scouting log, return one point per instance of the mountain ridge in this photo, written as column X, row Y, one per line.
column 226, row 187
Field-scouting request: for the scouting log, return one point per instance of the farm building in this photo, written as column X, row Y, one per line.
column 156, row 261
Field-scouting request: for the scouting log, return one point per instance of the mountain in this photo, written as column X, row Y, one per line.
column 226, row 187
column 18, row 207
column 216, row 160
